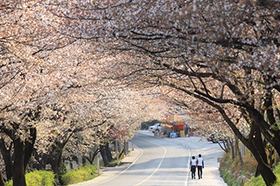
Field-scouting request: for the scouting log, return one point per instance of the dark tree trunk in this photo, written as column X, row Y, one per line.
column 91, row 157
column 236, row 145
column 258, row 150
column 55, row 157
column 225, row 145
column 40, row 163
column 117, row 150
column 18, row 166
column 257, row 173
column 104, row 156
column 267, row 174
column 232, row 150
column 2, row 182
column 108, row 152
column 125, row 147
column 29, row 146
column 270, row 114
column 240, row 156
column 267, row 129
column 276, row 145
column 55, row 161
column 55, row 167
column 6, row 154
column 263, row 168
column 119, row 146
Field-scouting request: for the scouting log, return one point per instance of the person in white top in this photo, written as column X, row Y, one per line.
column 200, row 166
column 193, row 165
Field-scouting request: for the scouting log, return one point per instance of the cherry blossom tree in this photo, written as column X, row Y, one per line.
column 224, row 53
column 204, row 43
column 28, row 80
column 220, row 52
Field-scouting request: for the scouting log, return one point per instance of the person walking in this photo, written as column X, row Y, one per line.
column 200, row 166
column 193, row 165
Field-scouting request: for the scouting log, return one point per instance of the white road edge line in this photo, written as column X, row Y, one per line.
column 188, row 172
column 125, row 168
column 165, row 151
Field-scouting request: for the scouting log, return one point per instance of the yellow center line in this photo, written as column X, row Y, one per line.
column 155, row 169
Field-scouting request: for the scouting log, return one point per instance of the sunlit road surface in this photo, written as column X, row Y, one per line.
column 163, row 162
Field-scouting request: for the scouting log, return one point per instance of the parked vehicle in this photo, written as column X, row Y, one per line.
column 155, row 128
column 176, row 128
column 215, row 138
column 212, row 137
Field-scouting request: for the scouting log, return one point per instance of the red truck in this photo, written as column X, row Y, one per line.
column 175, row 127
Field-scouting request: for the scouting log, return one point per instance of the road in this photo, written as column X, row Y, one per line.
column 163, row 162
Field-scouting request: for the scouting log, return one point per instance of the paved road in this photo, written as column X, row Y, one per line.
column 163, row 162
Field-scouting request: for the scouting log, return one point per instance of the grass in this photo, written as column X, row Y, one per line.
column 235, row 174
column 258, row 181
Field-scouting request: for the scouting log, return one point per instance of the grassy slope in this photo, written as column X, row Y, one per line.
column 234, row 174
column 259, row 181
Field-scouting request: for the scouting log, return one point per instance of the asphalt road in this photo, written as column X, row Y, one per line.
column 163, row 162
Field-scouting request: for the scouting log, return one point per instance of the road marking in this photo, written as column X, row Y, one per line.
column 164, row 154
column 188, row 172
column 126, row 167
column 189, row 159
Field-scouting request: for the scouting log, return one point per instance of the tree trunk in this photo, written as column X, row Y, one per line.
column 232, row 150
column 55, row 157
column 258, row 150
column 18, row 166
column 267, row 174
column 104, row 156
column 225, row 145
column 240, row 156
column 55, row 161
column 125, row 147
column 2, row 182
column 29, row 146
column 117, row 149
column 119, row 145
column 108, row 152
column 236, row 145
column 267, row 130
column 97, row 150
column 54, row 167
column 6, row 154
column 263, row 168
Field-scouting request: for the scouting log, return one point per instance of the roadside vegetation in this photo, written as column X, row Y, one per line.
column 47, row 178
column 84, row 173
column 38, row 178
column 77, row 174
column 235, row 173
column 259, row 180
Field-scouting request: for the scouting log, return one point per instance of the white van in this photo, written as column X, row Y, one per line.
column 155, row 128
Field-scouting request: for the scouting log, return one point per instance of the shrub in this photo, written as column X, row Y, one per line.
column 84, row 173
column 37, row 178
column 48, row 178
column 9, row 183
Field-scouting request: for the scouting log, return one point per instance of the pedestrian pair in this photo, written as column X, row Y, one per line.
column 199, row 164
